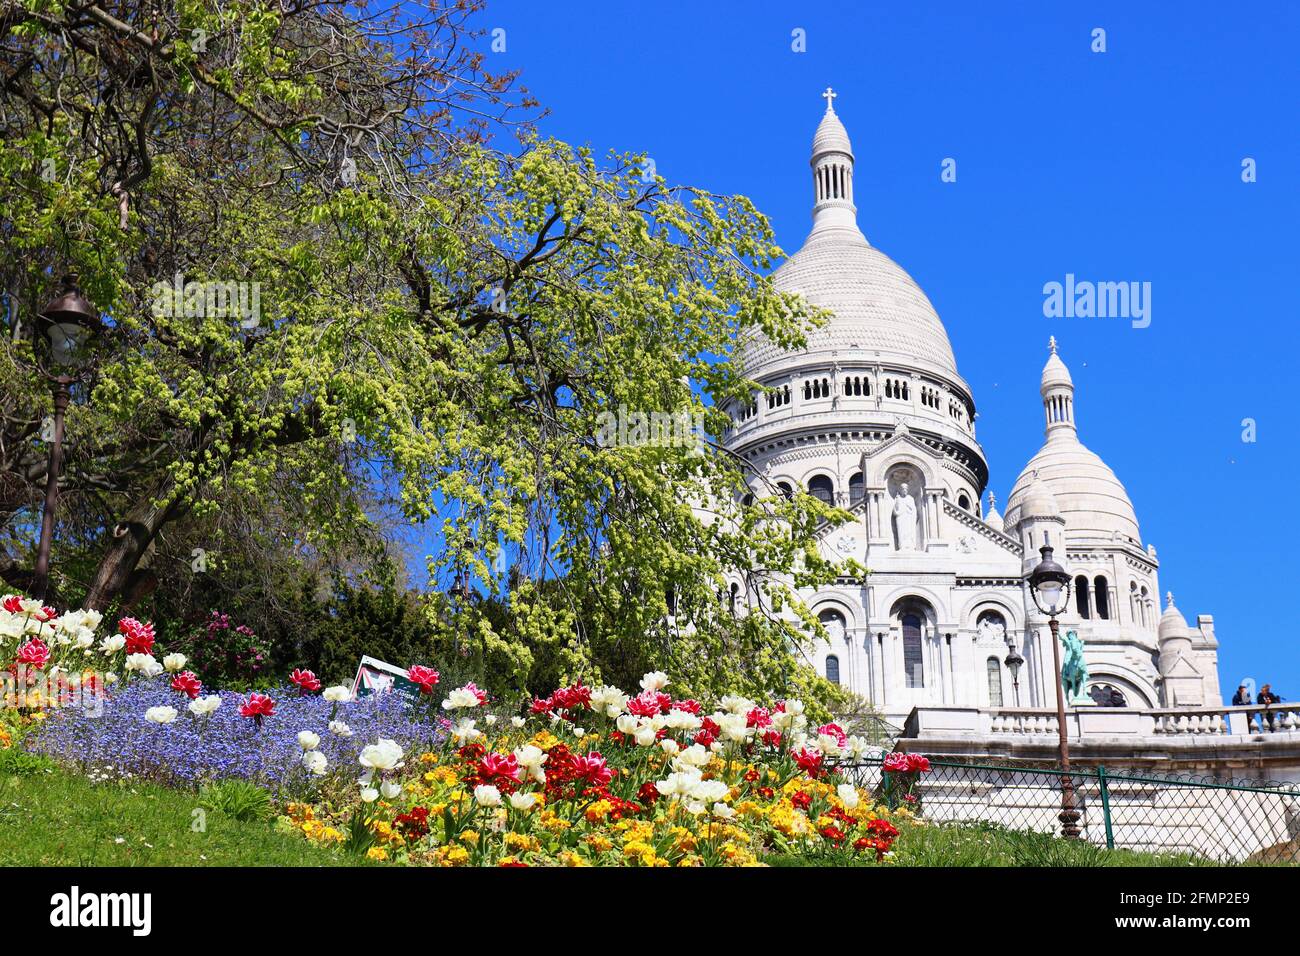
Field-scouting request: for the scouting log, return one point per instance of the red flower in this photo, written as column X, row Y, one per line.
column 572, row 697
column 499, row 769
column 648, row 703
column 750, row 776
column 647, row 793
column 688, row 705
column 541, row 705
column 257, row 707
column 482, row 697
column 772, row 738
column 759, row 717
column 801, row 800
column 917, row 764
column 896, row 763
column 306, row 680
column 188, row 684
column 836, row 731
column 882, row 828
column 424, row 677
column 414, row 823
column 139, row 635
column 809, row 761
column 767, row 793
column 13, row 603
column 592, row 769
column 34, row 653
column 834, row 834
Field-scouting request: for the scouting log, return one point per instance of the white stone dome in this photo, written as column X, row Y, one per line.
column 1037, row 500
column 877, row 306
column 1092, row 500
column 1173, row 625
column 831, row 136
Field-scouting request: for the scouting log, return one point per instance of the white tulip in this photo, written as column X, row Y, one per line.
column 523, row 801
column 202, row 706
column 315, row 763
column 160, row 715
column 143, row 664
column 113, row 644
column 340, row 729
column 338, row 694
column 385, row 755
column 670, row 746
column 390, row 789
column 464, row 732
column 723, row 811
column 490, row 719
column 848, row 795
column 487, row 796
column 307, row 740
column 517, row 722
column 655, row 680
column 369, row 794
column 174, row 663
column 627, row 723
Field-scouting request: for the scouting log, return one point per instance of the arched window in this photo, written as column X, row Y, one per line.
column 913, row 666
column 1101, row 595
column 785, row 489
column 1145, row 604
column 856, row 488
column 821, row 488
column 832, row 668
column 734, row 594
column 747, row 501
column 1081, row 599
column 963, row 502
column 1133, row 602
column 994, row 668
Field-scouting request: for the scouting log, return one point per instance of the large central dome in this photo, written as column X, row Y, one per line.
column 878, row 307
column 880, row 313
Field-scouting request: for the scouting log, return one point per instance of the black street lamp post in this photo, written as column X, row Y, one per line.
column 69, row 322
column 1050, row 586
column 1014, row 662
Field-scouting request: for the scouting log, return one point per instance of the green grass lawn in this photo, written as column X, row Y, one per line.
column 52, row 818
column 982, row 844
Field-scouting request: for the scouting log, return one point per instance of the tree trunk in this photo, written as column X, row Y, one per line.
column 127, row 544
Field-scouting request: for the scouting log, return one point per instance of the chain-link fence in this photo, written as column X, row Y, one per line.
column 1224, row 821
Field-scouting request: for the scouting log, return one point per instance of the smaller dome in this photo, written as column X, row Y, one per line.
column 1038, row 502
column 1173, row 626
column 831, row 136
column 1055, row 374
column 991, row 517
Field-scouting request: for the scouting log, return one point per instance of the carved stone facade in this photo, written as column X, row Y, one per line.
column 874, row 415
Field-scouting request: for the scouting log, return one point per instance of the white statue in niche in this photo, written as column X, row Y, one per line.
column 905, row 519
column 992, row 629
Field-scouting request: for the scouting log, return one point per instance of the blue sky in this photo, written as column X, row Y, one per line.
column 1116, row 166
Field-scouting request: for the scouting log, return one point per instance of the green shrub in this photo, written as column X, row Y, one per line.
column 15, row 761
column 237, row 799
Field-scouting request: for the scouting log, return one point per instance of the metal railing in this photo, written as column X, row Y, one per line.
column 1225, row 821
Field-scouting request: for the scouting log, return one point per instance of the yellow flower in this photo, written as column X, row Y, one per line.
column 470, row 837
column 569, row 858
column 598, row 810
column 520, row 842
column 599, row 843
column 545, row 739
column 377, row 853
column 428, row 758
column 451, row 856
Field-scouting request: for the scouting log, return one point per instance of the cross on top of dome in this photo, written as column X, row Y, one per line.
column 829, row 97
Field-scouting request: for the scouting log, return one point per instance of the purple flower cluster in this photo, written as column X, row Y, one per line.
column 192, row 751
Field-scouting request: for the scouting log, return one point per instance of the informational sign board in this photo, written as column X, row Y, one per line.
column 379, row 677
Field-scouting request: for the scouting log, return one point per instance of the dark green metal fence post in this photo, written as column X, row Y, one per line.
column 1105, row 806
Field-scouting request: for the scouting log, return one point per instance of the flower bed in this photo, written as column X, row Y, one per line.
column 594, row 777
column 147, row 730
